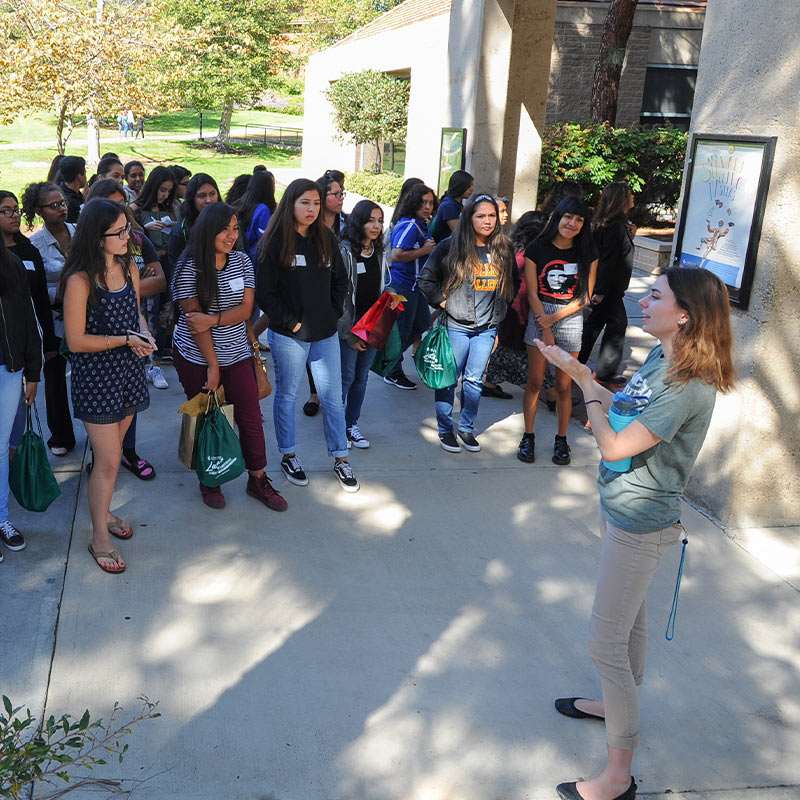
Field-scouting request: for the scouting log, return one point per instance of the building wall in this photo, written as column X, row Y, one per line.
column 418, row 50
column 749, row 469
column 658, row 37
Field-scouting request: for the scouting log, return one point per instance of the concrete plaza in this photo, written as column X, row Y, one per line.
column 402, row 643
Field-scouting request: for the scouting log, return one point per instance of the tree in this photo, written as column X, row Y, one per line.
column 232, row 49
column 607, row 71
column 86, row 58
column 328, row 21
column 370, row 106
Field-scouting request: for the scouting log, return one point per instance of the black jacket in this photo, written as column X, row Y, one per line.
column 614, row 245
column 19, row 333
column 460, row 304
column 37, row 283
column 74, row 202
column 306, row 293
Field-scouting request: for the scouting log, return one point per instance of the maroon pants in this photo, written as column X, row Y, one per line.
column 241, row 390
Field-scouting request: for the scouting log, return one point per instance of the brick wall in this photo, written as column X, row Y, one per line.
column 574, row 54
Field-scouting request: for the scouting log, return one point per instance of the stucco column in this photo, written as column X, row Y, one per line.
column 749, row 470
column 499, row 64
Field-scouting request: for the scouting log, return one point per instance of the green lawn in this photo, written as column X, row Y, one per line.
column 20, row 167
column 41, row 127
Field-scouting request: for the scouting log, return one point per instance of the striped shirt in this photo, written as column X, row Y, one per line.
column 230, row 341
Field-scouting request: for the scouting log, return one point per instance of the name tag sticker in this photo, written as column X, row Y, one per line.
column 300, row 260
column 361, row 267
column 29, row 265
column 570, row 269
column 237, row 284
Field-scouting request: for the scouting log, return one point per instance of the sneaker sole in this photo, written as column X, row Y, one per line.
column 359, row 445
column 398, row 386
column 471, row 447
column 15, row 548
column 562, row 462
column 295, row 481
column 449, row 448
column 526, row 459
column 351, row 489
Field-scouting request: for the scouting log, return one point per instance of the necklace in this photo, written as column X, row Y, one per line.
column 371, row 250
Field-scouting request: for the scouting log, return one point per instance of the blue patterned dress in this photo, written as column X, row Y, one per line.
column 110, row 385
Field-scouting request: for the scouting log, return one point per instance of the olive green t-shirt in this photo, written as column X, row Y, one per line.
column 646, row 498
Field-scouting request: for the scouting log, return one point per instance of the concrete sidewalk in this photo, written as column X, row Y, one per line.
column 402, row 643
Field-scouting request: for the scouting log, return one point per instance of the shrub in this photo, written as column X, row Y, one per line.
column 382, row 187
column 649, row 159
column 272, row 101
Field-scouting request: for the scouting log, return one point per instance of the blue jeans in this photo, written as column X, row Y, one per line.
column 10, row 388
column 413, row 321
column 472, row 350
column 355, row 371
column 289, row 356
column 20, row 421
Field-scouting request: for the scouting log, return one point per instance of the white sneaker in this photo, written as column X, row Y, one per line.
column 156, row 376
column 356, row 438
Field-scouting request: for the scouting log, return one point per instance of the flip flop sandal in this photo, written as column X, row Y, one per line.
column 113, row 555
column 119, row 528
column 141, row 468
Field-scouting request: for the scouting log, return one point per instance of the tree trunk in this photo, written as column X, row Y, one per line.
column 60, row 141
column 224, row 132
column 93, row 143
column 378, row 156
column 607, row 71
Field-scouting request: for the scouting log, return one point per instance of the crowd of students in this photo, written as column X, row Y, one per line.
column 130, row 271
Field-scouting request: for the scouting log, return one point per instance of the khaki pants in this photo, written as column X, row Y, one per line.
column 618, row 632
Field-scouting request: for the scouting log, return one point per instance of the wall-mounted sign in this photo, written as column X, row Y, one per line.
column 723, row 208
column 452, row 155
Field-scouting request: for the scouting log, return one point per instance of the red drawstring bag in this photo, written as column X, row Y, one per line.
column 376, row 325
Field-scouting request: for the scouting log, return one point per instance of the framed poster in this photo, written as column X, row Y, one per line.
column 452, row 154
column 723, row 208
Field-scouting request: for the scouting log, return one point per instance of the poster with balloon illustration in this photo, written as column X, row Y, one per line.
column 723, row 207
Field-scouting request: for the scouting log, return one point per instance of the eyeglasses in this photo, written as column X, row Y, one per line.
column 10, row 212
column 55, row 205
column 126, row 231
column 340, row 195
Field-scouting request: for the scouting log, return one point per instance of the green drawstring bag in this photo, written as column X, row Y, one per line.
column 218, row 453
column 435, row 361
column 31, row 478
column 389, row 355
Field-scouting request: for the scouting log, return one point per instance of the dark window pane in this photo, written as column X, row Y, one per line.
column 668, row 91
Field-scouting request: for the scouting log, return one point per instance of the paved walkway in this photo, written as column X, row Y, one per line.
column 402, row 643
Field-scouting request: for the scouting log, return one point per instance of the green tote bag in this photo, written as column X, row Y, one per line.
column 219, row 456
column 435, row 361
column 31, row 478
column 389, row 355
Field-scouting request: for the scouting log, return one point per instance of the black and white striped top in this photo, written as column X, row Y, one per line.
column 230, row 341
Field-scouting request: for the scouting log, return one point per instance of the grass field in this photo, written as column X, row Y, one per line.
column 18, row 167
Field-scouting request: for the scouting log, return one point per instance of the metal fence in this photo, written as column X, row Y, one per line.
column 278, row 135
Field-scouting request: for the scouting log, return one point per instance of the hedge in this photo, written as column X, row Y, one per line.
column 382, row 187
column 649, row 159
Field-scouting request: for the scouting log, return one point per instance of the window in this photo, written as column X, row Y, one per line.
column 668, row 95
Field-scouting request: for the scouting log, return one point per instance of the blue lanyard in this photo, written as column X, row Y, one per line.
column 673, row 614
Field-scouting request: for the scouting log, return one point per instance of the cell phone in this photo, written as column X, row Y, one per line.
column 146, row 339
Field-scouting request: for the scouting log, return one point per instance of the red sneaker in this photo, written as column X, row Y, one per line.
column 212, row 496
column 263, row 490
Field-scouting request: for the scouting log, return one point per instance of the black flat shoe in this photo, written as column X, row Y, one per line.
column 310, row 408
column 566, row 706
column 496, row 391
column 569, row 791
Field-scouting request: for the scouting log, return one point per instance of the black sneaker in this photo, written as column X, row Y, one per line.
column 400, row 380
column 561, row 451
column 525, row 450
column 449, row 442
column 344, row 472
column 294, row 471
column 469, row 440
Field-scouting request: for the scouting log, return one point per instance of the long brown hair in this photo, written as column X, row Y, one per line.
column 703, row 347
column 462, row 258
column 613, row 205
column 283, row 226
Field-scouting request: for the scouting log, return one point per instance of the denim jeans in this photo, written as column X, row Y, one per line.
column 355, row 371
column 10, row 388
column 20, row 421
column 290, row 356
column 472, row 350
column 413, row 321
